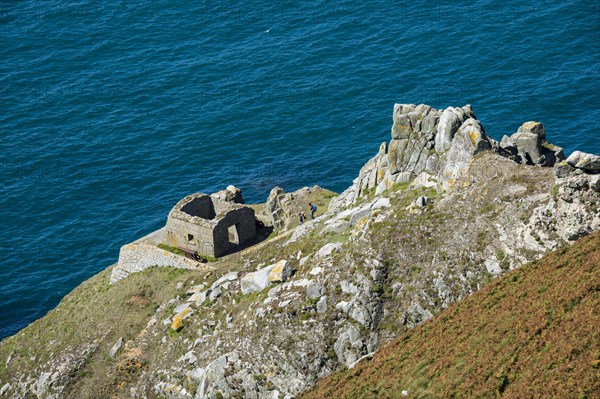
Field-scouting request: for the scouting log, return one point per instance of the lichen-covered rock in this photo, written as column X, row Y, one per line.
column 328, row 249
column 213, row 379
column 256, row 281
column 275, row 207
column 449, row 122
column 529, row 146
column 423, row 141
column 280, row 272
column 582, row 160
column 469, row 140
column 349, row 346
column 177, row 323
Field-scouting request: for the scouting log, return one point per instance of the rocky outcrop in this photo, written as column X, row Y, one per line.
column 277, row 206
column 256, row 281
column 434, row 148
column 529, row 146
column 585, row 162
column 283, row 208
column 281, row 272
column 388, row 256
column 426, row 143
column 573, row 210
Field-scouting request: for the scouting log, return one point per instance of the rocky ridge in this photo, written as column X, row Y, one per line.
column 439, row 211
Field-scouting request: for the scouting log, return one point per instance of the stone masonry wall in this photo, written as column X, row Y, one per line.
column 177, row 236
column 139, row 256
column 244, row 221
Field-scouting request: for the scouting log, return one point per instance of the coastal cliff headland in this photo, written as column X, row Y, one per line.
column 439, row 212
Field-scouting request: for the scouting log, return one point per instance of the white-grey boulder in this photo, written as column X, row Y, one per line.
column 328, row 249
column 585, row 161
column 256, row 281
column 116, row 347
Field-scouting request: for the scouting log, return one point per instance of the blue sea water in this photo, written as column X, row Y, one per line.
column 110, row 112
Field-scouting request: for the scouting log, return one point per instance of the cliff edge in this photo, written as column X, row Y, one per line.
column 439, row 212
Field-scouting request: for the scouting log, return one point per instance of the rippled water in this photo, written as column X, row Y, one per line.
column 112, row 113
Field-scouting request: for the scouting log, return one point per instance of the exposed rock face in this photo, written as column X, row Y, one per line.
column 434, row 148
column 574, row 207
column 387, row 257
column 281, row 272
column 468, row 141
column 586, row 162
column 277, row 202
column 449, row 122
column 256, row 281
column 425, row 142
column 529, row 146
column 283, row 208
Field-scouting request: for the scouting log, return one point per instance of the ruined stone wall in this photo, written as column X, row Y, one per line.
column 201, row 206
column 202, row 241
column 200, row 223
column 243, row 219
column 136, row 257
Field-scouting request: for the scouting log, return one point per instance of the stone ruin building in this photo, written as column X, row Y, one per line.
column 209, row 225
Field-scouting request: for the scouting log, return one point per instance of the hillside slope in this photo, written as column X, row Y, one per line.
column 532, row 333
column 439, row 212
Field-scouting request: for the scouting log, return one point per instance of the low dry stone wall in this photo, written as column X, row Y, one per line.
column 136, row 257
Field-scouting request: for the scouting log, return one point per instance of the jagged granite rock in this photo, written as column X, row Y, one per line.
column 276, row 207
column 574, row 207
column 528, row 145
column 449, row 122
column 349, row 346
column 281, row 272
column 440, row 143
column 582, row 160
column 437, row 146
column 468, row 141
column 256, row 281
column 394, row 270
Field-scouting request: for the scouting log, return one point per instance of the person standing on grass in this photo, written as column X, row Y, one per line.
column 313, row 209
column 301, row 217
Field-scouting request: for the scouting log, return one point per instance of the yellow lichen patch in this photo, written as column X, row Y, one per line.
column 389, row 183
column 383, row 147
column 278, row 274
column 178, row 320
column 475, row 136
column 530, row 124
column 361, row 223
column 380, row 174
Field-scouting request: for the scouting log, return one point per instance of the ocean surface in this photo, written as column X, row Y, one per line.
column 111, row 113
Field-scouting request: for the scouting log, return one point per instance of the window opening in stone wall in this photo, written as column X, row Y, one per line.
column 232, row 232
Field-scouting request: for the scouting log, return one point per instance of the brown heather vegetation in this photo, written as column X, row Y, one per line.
column 534, row 333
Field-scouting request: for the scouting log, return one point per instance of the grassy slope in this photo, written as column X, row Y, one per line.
column 532, row 333
column 93, row 312
column 98, row 313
